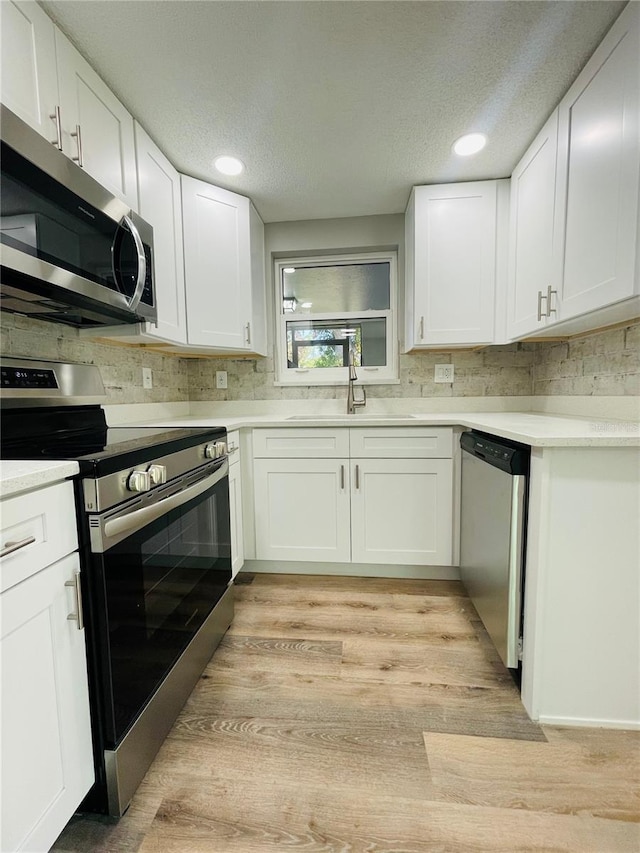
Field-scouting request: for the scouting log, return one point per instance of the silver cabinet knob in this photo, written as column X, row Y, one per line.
column 157, row 474
column 139, row 481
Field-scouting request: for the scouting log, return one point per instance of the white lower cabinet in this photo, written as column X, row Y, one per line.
column 401, row 511
column 302, row 510
column 392, row 503
column 47, row 757
column 235, row 503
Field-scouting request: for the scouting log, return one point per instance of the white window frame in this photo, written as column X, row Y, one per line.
column 387, row 374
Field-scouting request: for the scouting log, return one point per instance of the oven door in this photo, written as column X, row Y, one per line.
column 159, row 565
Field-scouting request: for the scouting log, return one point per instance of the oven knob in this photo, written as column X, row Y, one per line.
column 215, row 450
column 139, row 481
column 157, row 474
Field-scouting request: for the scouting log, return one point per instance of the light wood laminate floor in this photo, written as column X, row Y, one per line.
column 356, row 715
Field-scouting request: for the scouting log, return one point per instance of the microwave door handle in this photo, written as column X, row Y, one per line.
column 142, row 262
column 118, row 528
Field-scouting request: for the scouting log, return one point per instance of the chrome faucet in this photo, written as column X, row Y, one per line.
column 352, row 403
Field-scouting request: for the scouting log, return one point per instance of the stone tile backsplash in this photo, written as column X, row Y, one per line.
column 604, row 363
column 120, row 367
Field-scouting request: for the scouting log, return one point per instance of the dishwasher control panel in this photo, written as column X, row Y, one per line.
column 509, row 456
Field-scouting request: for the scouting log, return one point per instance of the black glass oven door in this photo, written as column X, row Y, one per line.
column 159, row 584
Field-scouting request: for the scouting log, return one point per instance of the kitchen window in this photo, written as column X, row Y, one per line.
column 332, row 308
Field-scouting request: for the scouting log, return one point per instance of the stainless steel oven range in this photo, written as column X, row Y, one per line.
column 153, row 518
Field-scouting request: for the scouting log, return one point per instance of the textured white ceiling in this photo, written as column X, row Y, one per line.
column 337, row 107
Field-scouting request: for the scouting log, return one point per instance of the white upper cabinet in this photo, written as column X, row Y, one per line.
column 598, row 174
column 258, row 328
column 160, row 205
column 48, row 84
column 218, row 268
column 451, row 236
column 531, row 267
column 97, row 131
column 29, row 75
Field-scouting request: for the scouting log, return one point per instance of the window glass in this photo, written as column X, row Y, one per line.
column 326, row 343
column 338, row 288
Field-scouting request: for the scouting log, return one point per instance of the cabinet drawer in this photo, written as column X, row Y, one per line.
column 233, row 445
column 309, row 443
column 402, row 442
column 48, row 516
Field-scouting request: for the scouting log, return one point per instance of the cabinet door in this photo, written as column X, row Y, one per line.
column 104, row 143
column 217, row 260
column 531, row 269
column 454, row 263
column 29, row 78
column 302, row 509
column 47, row 758
column 161, row 206
column 598, row 173
column 258, row 328
column 402, row 511
column 237, row 527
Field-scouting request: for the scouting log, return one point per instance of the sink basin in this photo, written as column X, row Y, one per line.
column 342, row 417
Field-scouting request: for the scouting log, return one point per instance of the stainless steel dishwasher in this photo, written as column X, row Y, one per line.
column 493, row 518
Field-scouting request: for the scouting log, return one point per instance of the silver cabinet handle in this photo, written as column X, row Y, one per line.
column 342, row 478
column 550, row 293
column 421, row 329
column 357, row 476
column 56, row 118
column 78, row 616
column 541, row 314
column 10, row 547
column 78, row 135
column 232, row 448
column 248, row 328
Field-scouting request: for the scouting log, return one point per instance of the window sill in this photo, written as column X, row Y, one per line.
column 309, row 383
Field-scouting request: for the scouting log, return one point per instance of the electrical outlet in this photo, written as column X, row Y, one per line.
column 443, row 373
column 147, row 378
column 221, row 379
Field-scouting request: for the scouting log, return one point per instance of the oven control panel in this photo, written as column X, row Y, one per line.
column 27, row 377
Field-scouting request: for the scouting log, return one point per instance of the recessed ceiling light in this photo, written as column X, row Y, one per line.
column 306, row 304
column 471, row 143
column 229, row 165
column 289, row 270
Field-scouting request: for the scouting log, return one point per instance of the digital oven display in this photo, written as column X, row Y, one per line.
column 21, row 377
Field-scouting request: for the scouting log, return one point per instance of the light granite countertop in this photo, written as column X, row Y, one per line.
column 537, row 430
column 24, row 476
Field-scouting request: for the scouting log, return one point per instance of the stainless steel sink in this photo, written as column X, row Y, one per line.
column 341, row 417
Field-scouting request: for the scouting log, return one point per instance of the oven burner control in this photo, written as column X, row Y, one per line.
column 139, row 481
column 157, row 474
column 215, row 450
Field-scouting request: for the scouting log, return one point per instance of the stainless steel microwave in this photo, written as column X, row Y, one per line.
column 70, row 251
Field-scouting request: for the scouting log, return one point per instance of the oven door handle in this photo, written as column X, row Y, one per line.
column 120, row 527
